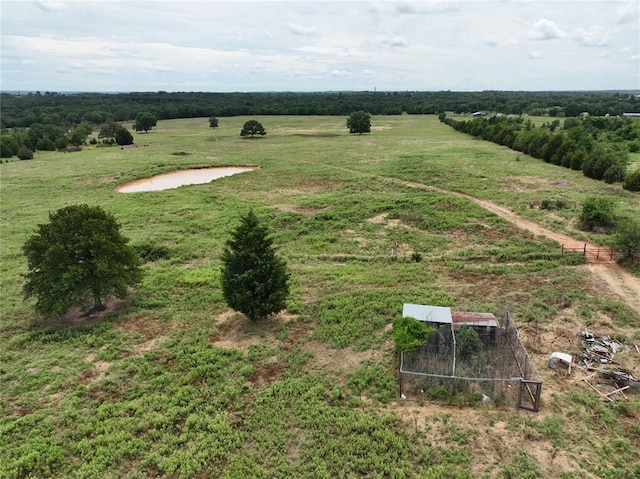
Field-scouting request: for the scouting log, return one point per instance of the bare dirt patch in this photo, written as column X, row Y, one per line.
column 147, row 346
column 235, row 331
column 266, row 375
column 378, row 219
column 77, row 316
column 341, row 360
column 495, row 441
column 98, row 371
column 144, row 325
column 317, row 135
column 528, row 184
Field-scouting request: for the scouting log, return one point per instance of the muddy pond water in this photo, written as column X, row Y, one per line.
column 196, row 176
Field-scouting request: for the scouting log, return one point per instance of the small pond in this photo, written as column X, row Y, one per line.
column 196, row 176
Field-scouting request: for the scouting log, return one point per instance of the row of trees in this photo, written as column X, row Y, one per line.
column 95, row 108
column 23, row 142
column 80, row 253
column 598, row 147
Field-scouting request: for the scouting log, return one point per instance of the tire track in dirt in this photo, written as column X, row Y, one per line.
column 622, row 283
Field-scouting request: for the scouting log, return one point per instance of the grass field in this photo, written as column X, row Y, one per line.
column 173, row 384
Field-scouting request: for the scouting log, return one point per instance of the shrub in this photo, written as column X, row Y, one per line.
column 627, row 238
column 632, row 181
column 409, row 333
column 25, row 153
column 597, row 212
column 615, row 173
column 468, row 343
column 124, row 136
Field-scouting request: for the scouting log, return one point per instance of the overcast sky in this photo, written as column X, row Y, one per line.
column 315, row 45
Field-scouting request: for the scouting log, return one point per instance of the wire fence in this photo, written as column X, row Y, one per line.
column 499, row 371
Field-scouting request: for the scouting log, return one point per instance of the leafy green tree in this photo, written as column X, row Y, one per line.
column 254, row 280
column 145, row 121
column 359, row 122
column 409, row 333
column 109, row 130
column 213, row 122
column 123, row 136
column 252, row 128
column 79, row 133
column 597, row 212
column 80, row 252
column 627, row 238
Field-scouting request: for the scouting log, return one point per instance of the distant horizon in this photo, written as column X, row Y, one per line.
column 72, row 92
column 226, row 46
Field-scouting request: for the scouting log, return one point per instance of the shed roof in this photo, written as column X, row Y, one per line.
column 431, row 314
column 475, row 319
column 441, row 314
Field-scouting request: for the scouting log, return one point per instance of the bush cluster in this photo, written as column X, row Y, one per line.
column 599, row 147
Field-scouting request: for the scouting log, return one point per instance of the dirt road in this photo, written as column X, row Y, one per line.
column 619, row 281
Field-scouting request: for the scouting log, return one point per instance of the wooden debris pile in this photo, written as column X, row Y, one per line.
column 611, row 384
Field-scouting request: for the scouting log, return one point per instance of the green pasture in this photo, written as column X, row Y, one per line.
column 148, row 393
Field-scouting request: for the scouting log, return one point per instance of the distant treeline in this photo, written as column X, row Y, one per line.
column 24, row 110
column 598, row 146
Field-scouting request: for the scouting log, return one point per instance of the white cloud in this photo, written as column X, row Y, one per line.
column 310, row 45
column 594, row 37
column 52, row 6
column 628, row 12
column 545, row 30
column 425, row 8
column 491, row 40
column 301, row 30
column 396, row 41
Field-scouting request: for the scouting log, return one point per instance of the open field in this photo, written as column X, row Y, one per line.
column 173, row 384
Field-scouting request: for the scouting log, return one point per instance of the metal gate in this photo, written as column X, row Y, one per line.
column 529, row 395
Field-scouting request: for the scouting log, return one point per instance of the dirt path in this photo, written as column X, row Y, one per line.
column 620, row 282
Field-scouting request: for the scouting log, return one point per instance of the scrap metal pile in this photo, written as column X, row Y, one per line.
column 608, row 377
column 598, row 350
column 611, row 384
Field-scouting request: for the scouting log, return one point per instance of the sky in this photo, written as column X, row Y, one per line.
column 316, row 45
